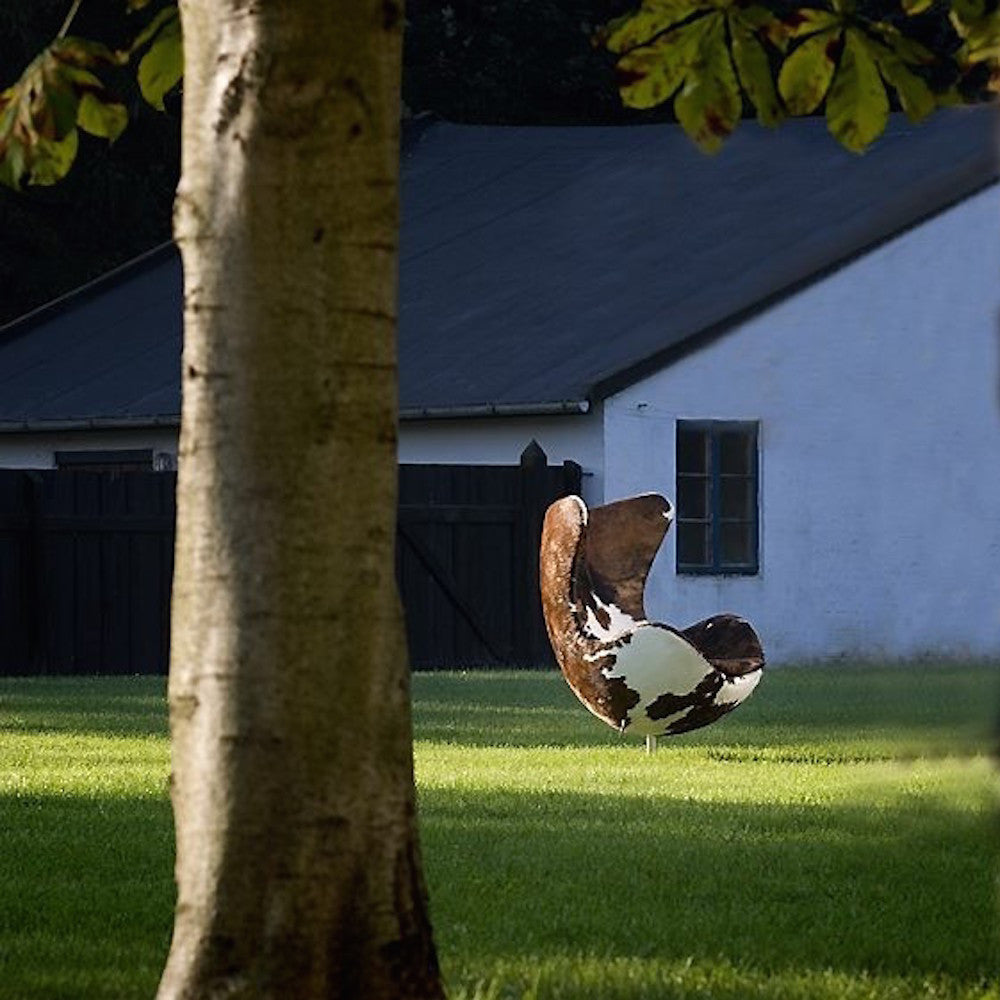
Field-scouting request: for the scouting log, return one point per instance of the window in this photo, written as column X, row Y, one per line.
column 717, row 519
column 118, row 460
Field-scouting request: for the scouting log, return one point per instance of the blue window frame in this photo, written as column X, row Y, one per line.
column 718, row 522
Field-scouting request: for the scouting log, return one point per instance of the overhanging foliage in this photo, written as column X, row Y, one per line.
column 714, row 57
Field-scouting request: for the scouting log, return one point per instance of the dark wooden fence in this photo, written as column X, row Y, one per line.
column 467, row 559
column 86, row 560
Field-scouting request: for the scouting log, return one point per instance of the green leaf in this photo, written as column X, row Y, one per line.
column 806, row 74
column 857, row 107
column 40, row 113
column 56, row 109
column 984, row 53
column 754, row 71
column 984, row 34
column 908, row 49
column 162, row 67
column 915, row 97
column 654, row 17
column 162, row 17
column 913, row 7
column 709, row 105
column 105, row 119
column 967, row 11
column 52, row 160
column 8, row 114
column 981, row 32
column 649, row 75
column 81, row 79
column 12, row 164
column 801, row 22
column 84, row 52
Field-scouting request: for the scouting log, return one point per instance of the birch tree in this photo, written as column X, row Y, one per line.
column 298, row 867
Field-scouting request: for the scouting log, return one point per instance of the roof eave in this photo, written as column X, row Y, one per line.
column 89, row 424
column 539, row 409
column 563, row 407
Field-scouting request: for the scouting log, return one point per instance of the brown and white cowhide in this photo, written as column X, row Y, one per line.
column 638, row 676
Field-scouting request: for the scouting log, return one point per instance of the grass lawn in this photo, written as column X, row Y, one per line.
column 834, row 838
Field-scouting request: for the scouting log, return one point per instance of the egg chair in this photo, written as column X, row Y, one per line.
column 641, row 677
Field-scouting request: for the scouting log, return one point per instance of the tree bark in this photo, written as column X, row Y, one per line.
column 298, row 866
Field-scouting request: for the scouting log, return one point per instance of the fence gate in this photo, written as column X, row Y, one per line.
column 467, row 559
column 86, row 561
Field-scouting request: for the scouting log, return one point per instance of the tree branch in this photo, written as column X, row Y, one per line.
column 69, row 18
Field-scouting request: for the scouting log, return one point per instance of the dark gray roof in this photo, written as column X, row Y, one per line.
column 106, row 354
column 556, row 264
column 541, row 267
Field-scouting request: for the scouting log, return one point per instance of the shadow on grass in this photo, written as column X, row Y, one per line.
column 867, row 712
column 86, row 896
column 86, row 889
column 906, row 890
column 854, row 712
column 111, row 706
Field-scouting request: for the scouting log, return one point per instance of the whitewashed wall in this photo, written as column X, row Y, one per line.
column 486, row 441
column 877, row 395
column 37, row 450
column 500, row 441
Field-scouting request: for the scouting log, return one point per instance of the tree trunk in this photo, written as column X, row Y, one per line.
column 298, row 866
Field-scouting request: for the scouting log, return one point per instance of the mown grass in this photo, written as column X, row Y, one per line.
column 86, row 838
column 835, row 838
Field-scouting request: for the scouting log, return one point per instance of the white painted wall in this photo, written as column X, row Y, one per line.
column 33, row 450
column 484, row 441
column 500, row 441
column 877, row 395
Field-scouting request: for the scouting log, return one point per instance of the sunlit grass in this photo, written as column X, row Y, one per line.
column 832, row 839
column 86, row 839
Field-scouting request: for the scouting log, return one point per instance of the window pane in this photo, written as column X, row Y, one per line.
column 736, row 498
column 692, row 496
column 692, row 450
column 735, row 450
column 693, row 547
column 737, row 549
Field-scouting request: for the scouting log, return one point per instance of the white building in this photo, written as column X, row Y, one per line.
column 799, row 347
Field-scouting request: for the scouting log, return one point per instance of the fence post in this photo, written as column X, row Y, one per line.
column 34, row 574
column 572, row 477
column 534, row 501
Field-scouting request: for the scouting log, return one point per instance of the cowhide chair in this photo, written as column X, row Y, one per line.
column 638, row 676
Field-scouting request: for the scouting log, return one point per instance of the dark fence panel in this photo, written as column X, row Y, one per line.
column 86, row 560
column 467, row 560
